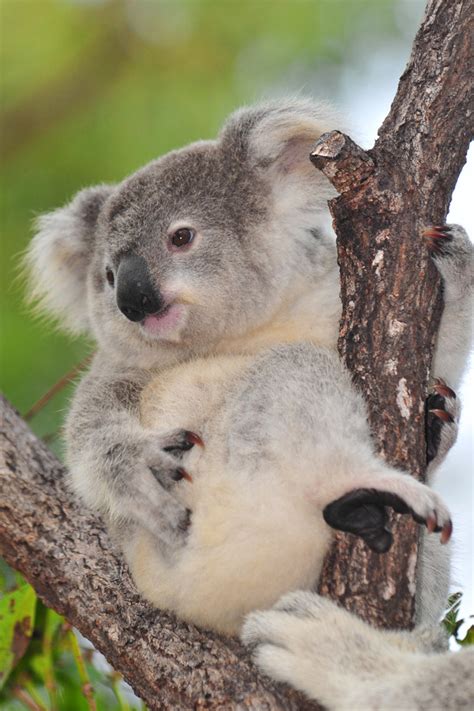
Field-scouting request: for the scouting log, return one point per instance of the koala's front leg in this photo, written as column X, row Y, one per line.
column 118, row 467
column 361, row 509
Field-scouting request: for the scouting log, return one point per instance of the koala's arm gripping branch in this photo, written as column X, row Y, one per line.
column 390, row 290
column 66, row 554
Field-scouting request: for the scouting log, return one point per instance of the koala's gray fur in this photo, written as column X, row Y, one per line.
column 257, row 291
column 332, row 656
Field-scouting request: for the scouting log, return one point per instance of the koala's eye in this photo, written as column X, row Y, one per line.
column 182, row 237
column 109, row 275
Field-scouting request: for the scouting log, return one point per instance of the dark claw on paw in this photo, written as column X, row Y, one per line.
column 193, row 439
column 166, row 478
column 181, row 473
column 443, row 389
column 433, row 527
column 431, row 523
column 442, row 414
column 436, row 238
column 436, row 417
column 183, row 442
column 446, row 532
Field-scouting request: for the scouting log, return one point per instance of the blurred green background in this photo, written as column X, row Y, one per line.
column 91, row 90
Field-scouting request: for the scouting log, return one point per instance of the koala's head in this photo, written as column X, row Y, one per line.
column 199, row 245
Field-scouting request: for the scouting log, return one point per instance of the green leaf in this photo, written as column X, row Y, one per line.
column 469, row 637
column 17, row 615
column 451, row 621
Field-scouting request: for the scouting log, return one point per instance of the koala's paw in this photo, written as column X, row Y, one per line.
column 143, row 475
column 363, row 511
column 175, row 444
column 310, row 643
column 442, row 412
column 453, row 254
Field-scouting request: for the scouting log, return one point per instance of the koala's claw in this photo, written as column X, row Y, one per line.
column 168, row 477
column 443, row 389
column 181, row 473
column 446, row 532
column 441, row 420
column 194, row 438
column 453, row 254
column 442, row 414
column 437, row 237
column 446, row 529
column 181, row 441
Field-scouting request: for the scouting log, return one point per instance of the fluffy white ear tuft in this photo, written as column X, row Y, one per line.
column 281, row 131
column 288, row 130
column 276, row 138
column 58, row 257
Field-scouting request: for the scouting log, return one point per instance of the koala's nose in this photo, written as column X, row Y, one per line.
column 136, row 296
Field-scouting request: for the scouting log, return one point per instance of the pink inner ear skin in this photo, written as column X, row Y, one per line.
column 295, row 155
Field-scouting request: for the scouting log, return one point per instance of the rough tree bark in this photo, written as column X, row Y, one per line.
column 390, row 303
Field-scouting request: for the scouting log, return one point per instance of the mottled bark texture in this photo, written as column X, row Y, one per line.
column 391, row 305
column 390, row 289
column 66, row 554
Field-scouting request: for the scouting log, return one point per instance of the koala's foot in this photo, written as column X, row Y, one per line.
column 442, row 412
column 310, row 643
column 363, row 511
column 337, row 659
column 452, row 252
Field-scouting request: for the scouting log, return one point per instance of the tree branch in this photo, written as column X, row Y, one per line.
column 390, row 290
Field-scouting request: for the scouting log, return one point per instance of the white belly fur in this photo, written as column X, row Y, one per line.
column 250, row 538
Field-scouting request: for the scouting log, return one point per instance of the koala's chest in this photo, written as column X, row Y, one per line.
column 190, row 395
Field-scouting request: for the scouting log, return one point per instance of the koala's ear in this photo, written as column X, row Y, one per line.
column 277, row 137
column 57, row 259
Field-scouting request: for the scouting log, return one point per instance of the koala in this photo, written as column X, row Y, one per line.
column 282, row 458
column 332, row 656
column 216, row 431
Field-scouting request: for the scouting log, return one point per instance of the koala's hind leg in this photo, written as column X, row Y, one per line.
column 334, row 657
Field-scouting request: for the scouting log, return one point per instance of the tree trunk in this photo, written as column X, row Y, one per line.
column 390, row 306
column 390, row 289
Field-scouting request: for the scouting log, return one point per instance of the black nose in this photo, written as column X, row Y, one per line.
column 136, row 296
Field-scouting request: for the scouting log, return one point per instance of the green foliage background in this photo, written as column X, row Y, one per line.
column 90, row 91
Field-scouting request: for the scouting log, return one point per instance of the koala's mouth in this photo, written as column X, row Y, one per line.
column 165, row 323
